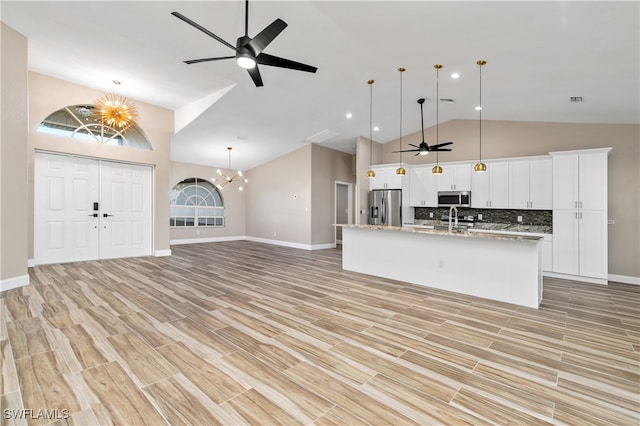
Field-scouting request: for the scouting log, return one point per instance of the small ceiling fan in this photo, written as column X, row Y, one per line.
column 423, row 148
column 249, row 51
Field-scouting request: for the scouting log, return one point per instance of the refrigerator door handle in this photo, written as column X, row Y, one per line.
column 384, row 210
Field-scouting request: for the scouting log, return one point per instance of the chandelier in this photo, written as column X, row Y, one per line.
column 116, row 111
column 235, row 179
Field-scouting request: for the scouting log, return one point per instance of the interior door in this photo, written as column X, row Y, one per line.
column 126, row 216
column 65, row 222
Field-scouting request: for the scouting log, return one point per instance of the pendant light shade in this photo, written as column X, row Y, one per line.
column 400, row 171
column 480, row 166
column 437, row 169
column 370, row 172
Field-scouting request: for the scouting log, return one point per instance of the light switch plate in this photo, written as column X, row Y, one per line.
column 479, row 217
column 519, row 218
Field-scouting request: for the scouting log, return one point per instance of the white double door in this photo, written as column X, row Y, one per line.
column 88, row 209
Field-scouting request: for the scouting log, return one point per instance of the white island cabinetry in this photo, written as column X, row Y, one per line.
column 506, row 268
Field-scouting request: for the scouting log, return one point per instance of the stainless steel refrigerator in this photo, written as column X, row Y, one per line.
column 385, row 207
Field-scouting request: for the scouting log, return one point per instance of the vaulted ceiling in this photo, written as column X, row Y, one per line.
column 539, row 55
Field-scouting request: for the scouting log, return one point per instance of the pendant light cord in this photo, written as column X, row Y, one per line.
column 370, row 82
column 401, row 71
column 480, row 63
column 437, row 67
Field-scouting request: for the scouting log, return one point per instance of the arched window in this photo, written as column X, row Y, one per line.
column 80, row 122
column 195, row 202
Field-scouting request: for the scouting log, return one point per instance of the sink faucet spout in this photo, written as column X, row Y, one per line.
column 451, row 210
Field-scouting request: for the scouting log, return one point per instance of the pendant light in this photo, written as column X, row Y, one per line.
column 116, row 111
column 480, row 166
column 231, row 179
column 400, row 171
column 370, row 172
column 437, row 169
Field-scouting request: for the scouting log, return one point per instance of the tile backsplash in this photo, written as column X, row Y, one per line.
column 529, row 217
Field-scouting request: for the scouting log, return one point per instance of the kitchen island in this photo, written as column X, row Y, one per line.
column 500, row 267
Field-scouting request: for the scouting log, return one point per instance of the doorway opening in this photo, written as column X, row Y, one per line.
column 343, row 208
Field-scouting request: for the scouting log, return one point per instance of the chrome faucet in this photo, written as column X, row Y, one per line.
column 451, row 210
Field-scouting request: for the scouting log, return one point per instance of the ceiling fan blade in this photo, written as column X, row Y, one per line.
column 266, row 36
column 197, row 61
column 440, row 145
column 203, row 29
column 439, row 149
column 275, row 61
column 406, row 150
column 255, row 76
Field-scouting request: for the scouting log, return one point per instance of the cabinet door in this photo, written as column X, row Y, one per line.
column 541, row 184
column 430, row 188
column 379, row 180
column 519, row 184
column 394, row 180
column 462, row 177
column 592, row 174
column 416, row 182
column 480, row 195
column 565, row 242
column 593, row 243
column 565, row 182
column 499, row 185
column 446, row 179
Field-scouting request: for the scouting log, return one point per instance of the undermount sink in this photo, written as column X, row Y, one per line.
column 458, row 229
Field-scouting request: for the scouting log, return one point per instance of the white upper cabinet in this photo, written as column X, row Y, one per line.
column 490, row 189
column 424, row 187
column 578, row 180
column 531, row 184
column 386, row 178
column 455, row 177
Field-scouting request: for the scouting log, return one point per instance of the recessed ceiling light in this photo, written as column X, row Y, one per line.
column 376, row 128
column 349, row 115
column 455, row 75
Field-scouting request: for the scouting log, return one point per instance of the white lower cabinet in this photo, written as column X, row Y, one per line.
column 580, row 243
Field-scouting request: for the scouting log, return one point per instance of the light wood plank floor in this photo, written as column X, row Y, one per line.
column 247, row 333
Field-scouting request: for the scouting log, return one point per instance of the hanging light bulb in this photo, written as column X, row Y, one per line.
column 400, row 171
column 480, row 166
column 437, row 169
column 370, row 172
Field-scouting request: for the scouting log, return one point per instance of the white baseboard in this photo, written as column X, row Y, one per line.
column 624, row 279
column 31, row 263
column 162, row 253
column 575, row 278
column 15, row 282
column 292, row 245
column 206, row 240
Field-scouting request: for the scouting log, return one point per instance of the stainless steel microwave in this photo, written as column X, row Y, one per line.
column 454, row 198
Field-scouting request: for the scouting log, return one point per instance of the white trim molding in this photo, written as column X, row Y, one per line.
column 624, row 279
column 15, row 282
column 206, row 240
column 162, row 253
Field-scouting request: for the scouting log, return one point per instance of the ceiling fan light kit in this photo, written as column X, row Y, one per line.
column 249, row 51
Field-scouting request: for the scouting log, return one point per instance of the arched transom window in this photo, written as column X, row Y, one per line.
column 80, row 122
column 196, row 202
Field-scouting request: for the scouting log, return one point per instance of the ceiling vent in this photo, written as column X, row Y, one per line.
column 322, row 136
column 576, row 98
column 447, row 100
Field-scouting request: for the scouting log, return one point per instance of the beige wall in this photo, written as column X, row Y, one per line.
column 503, row 139
column 327, row 167
column 48, row 94
column 279, row 198
column 233, row 199
column 13, row 159
column 367, row 154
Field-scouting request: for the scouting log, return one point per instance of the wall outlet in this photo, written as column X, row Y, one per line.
column 479, row 217
column 519, row 218
column 274, row 233
column 431, row 215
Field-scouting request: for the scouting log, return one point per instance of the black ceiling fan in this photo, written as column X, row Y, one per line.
column 249, row 51
column 423, row 148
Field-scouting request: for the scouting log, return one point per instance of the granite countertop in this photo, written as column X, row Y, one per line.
column 485, row 226
column 422, row 229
